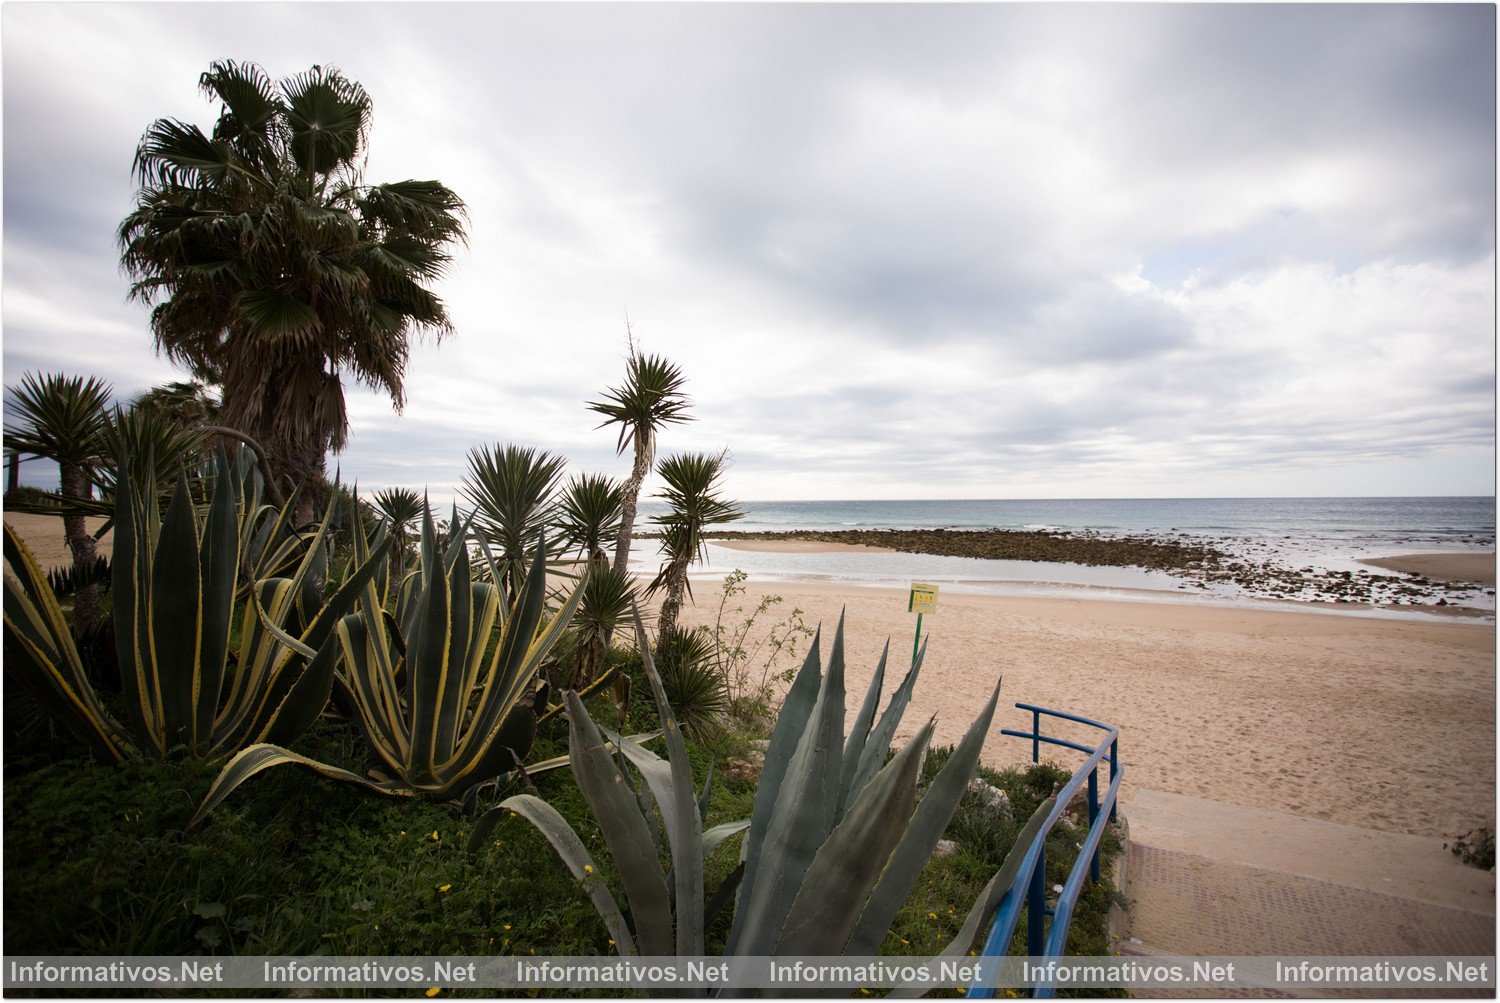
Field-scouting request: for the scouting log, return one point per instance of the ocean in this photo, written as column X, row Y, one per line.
column 1330, row 534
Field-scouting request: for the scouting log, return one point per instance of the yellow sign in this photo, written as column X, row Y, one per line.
column 923, row 599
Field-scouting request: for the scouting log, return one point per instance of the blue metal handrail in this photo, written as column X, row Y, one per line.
column 1029, row 888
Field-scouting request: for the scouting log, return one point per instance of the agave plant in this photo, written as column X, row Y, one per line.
column 443, row 705
column 174, row 585
column 834, row 845
column 512, row 489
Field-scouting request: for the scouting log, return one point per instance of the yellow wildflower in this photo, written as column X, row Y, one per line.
column 433, row 992
column 505, row 926
column 444, row 888
column 932, row 915
column 588, row 868
column 435, row 837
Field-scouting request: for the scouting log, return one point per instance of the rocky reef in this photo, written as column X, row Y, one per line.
column 1205, row 565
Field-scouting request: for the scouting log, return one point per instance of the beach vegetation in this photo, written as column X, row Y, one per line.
column 189, row 403
column 100, row 859
column 189, row 680
column 608, row 597
column 400, row 508
column 273, row 269
column 755, row 647
column 590, row 511
column 652, row 397
column 65, row 419
column 692, row 682
column 695, row 505
column 835, row 842
column 1475, row 848
column 445, row 689
column 513, row 490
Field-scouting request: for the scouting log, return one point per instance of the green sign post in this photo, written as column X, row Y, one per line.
column 923, row 599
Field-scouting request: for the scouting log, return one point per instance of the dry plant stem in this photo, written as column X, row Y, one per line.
column 273, row 493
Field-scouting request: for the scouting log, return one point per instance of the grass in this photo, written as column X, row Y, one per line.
column 98, row 860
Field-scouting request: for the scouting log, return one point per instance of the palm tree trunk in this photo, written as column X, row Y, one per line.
column 671, row 607
column 629, row 495
column 75, row 484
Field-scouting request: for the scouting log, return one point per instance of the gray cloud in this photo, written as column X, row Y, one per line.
column 901, row 250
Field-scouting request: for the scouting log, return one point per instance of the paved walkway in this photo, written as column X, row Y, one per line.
column 1207, row 878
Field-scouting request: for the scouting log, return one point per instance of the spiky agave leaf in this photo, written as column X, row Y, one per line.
column 41, row 654
column 443, row 708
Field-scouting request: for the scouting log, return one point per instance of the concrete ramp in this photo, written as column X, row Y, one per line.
column 1209, row 878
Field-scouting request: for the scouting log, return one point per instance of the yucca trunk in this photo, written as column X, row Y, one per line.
column 629, row 497
column 671, row 608
column 75, row 484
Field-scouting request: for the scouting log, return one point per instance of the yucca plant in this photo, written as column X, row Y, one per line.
column 608, row 597
column 834, row 845
column 692, row 492
column 512, row 488
column 151, row 436
column 694, row 687
column 64, row 418
column 174, row 587
column 401, row 507
column 443, row 706
column 589, row 514
column 652, row 397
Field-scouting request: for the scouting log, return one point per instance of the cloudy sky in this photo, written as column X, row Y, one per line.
column 964, row 251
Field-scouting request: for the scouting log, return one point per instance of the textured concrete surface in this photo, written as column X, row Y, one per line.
column 1191, row 905
column 1208, row 878
column 1392, row 863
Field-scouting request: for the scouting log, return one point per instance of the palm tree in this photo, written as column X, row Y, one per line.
column 650, row 397
column 273, row 270
column 66, row 419
column 692, row 485
column 511, row 488
column 190, row 403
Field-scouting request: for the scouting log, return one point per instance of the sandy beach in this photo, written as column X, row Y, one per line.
column 44, row 535
column 1478, row 568
column 1386, row 724
column 1382, row 723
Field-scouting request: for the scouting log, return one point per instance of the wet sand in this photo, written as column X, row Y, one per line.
column 799, row 547
column 1479, row 568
